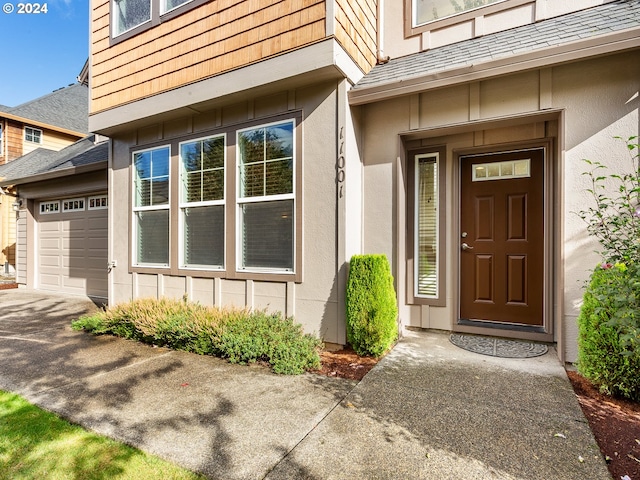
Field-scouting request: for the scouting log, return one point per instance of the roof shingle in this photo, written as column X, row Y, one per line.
column 66, row 108
column 40, row 161
column 610, row 17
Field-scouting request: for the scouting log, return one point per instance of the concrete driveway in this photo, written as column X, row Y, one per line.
column 428, row 410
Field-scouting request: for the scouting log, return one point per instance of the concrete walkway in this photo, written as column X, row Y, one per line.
column 428, row 410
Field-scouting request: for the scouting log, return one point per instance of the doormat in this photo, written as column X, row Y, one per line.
column 498, row 347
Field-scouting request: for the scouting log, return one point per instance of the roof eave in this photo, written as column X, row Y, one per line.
column 43, row 125
column 63, row 172
column 573, row 51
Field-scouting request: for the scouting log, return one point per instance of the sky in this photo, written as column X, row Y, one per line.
column 41, row 52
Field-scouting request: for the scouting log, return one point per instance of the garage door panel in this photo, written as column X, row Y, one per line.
column 73, row 282
column 48, row 228
column 49, row 281
column 47, row 261
column 73, row 251
column 75, row 225
column 95, row 221
column 74, row 243
column 54, row 243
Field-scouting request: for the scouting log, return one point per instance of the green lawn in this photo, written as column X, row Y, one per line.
column 38, row 444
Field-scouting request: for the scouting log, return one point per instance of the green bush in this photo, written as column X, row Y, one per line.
column 239, row 335
column 609, row 330
column 267, row 337
column 372, row 310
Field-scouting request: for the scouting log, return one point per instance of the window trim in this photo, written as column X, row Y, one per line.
column 98, row 197
column 412, row 226
column 80, row 200
column 182, row 205
column 229, row 272
column 50, row 203
column 33, row 130
column 156, row 19
column 151, row 208
column 411, row 30
column 240, row 201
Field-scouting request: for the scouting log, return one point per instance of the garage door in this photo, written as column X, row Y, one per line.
column 72, row 245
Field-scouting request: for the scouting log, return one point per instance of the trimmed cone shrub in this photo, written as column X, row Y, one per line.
column 609, row 330
column 372, row 310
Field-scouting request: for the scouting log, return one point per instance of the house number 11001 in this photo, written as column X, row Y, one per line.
column 341, row 163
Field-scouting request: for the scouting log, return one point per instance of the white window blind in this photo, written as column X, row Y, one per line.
column 266, row 200
column 426, row 229
column 151, row 206
column 202, row 202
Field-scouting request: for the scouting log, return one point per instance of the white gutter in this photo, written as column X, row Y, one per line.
column 569, row 52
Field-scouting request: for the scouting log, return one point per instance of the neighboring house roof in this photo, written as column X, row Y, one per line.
column 83, row 155
column 503, row 48
column 66, row 108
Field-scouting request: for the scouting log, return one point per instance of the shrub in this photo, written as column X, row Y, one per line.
column 609, row 330
column 281, row 342
column 239, row 335
column 614, row 219
column 372, row 310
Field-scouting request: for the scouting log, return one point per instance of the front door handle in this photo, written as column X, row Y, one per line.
column 464, row 246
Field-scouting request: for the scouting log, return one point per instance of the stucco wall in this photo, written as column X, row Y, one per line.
column 597, row 99
column 313, row 302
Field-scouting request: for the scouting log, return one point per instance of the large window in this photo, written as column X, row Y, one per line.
column 151, row 206
column 202, row 202
column 220, row 203
column 266, row 197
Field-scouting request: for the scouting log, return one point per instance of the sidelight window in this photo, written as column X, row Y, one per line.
column 426, row 225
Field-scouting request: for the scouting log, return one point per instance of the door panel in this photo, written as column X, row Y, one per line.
column 502, row 244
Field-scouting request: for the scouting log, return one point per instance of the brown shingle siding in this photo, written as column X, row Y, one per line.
column 208, row 40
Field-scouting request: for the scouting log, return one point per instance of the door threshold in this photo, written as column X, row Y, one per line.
column 512, row 327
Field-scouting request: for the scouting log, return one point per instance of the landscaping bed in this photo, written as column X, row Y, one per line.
column 615, row 424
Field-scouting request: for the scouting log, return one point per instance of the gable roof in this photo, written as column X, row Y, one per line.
column 581, row 29
column 83, row 155
column 66, row 108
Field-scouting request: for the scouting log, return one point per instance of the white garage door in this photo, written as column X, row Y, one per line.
column 72, row 245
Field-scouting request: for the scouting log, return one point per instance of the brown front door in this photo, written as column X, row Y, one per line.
column 502, row 238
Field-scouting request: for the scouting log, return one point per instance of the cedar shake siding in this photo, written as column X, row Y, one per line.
column 216, row 37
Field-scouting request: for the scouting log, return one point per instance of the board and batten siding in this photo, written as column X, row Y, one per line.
column 206, row 41
column 355, row 30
